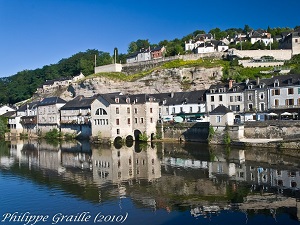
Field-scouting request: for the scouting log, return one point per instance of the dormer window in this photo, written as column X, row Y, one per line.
column 151, row 99
column 262, row 85
column 212, row 90
column 128, row 100
column 221, row 90
column 117, row 100
column 234, row 89
column 290, row 81
column 276, row 83
column 250, row 87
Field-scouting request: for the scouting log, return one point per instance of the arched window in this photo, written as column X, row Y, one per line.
column 100, row 111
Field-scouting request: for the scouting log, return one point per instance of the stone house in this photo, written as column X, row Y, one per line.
column 256, row 99
column 158, row 52
column 221, row 116
column 189, row 105
column 284, row 94
column 291, row 41
column 28, row 114
column 123, row 116
column 75, row 116
column 229, row 95
column 48, row 116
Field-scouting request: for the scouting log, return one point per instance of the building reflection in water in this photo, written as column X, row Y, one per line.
column 221, row 178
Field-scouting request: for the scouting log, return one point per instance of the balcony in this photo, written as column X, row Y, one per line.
column 25, row 120
column 285, row 106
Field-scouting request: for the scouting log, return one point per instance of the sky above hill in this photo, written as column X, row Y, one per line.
column 35, row 33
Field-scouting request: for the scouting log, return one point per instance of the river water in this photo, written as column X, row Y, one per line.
column 163, row 183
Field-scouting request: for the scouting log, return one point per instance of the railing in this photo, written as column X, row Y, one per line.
column 285, row 106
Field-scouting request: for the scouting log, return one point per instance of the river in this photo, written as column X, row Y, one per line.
column 149, row 184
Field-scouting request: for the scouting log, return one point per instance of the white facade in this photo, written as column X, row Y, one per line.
column 284, row 97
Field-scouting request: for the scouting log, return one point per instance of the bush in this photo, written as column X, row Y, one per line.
column 53, row 134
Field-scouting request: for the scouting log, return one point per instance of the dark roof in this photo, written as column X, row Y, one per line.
column 236, row 87
column 9, row 114
column 51, row 101
column 221, row 109
column 80, row 102
column 138, row 98
column 29, row 105
column 179, row 98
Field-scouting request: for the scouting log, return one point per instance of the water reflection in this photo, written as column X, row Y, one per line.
column 169, row 176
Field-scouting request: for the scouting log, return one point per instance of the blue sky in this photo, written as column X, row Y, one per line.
column 35, row 33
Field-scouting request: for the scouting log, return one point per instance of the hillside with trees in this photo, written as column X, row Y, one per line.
column 22, row 85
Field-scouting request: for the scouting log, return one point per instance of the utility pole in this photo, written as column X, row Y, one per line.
column 95, row 60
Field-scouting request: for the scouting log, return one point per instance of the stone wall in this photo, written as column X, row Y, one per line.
column 131, row 68
column 109, row 68
column 285, row 54
column 286, row 129
column 197, row 132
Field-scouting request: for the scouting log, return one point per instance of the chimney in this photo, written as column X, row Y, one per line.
column 230, row 84
column 172, row 94
column 257, row 80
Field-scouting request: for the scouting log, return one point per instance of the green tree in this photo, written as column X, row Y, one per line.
column 247, row 29
column 3, row 126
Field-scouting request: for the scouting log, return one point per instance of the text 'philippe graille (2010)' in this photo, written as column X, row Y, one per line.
column 28, row 218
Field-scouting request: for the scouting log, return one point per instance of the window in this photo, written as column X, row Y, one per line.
column 117, row 110
column 250, row 106
column 262, row 106
column 218, row 119
column 191, row 109
column 276, row 102
column 261, row 96
column 128, row 110
column 181, row 109
column 117, row 121
column 220, row 98
column 290, row 91
column 135, row 120
column 231, row 98
column 173, row 110
column 250, row 97
column 128, row 120
column 212, row 107
column 118, row 131
column 276, row 92
column 117, row 100
column 101, row 112
column 238, row 98
column 151, row 110
column 289, row 102
column 142, row 120
column 127, row 100
column 151, row 120
column 135, row 110
column 212, row 98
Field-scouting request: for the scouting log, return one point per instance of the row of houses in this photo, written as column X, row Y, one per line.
column 204, row 43
column 117, row 115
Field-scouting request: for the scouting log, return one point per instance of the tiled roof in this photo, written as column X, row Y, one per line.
column 51, row 101
column 29, row 105
column 221, row 109
column 122, row 99
column 178, row 98
column 80, row 102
